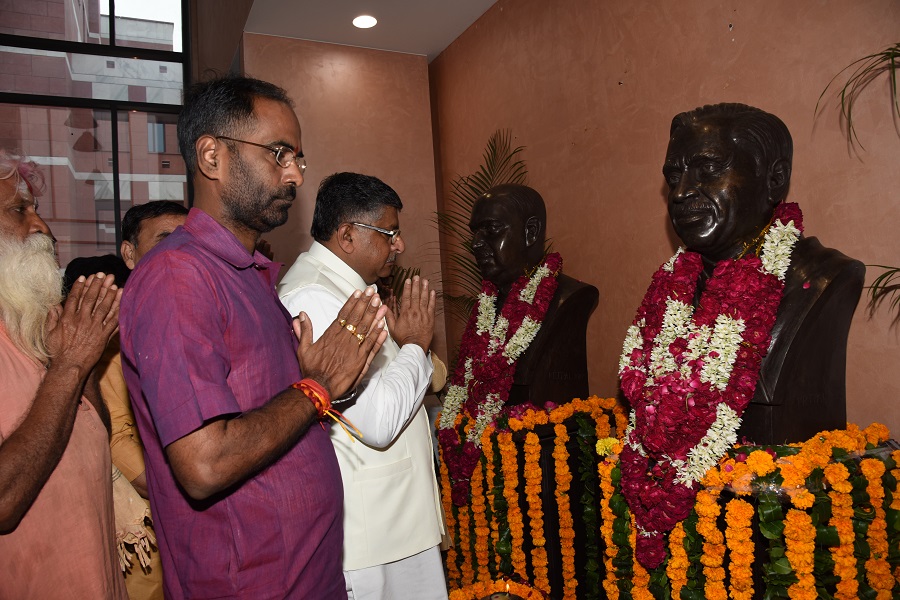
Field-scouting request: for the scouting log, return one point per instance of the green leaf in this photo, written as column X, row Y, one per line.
column 772, row 530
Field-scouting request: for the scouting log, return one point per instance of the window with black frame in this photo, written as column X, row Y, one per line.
column 91, row 90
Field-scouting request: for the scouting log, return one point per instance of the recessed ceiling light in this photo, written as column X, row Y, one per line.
column 364, row 21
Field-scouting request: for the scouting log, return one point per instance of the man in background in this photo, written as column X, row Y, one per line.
column 393, row 519
column 56, row 516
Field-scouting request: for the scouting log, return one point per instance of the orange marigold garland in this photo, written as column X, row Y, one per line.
column 878, row 571
column 607, row 489
column 837, row 476
column 739, row 539
column 677, row 566
column 487, row 444
column 482, row 533
column 453, row 573
column 510, row 466
column 708, row 510
column 800, row 547
column 535, row 511
column 467, row 573
column 566, row 523
column 640, row 578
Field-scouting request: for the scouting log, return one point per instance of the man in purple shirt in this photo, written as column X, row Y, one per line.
column 244, row 483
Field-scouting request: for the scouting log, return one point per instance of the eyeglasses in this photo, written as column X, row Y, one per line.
column 284, row 156
column 391, row 234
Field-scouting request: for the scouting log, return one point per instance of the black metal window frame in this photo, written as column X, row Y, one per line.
column 113, row 106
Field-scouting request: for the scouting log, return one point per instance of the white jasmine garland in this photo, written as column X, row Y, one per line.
column 721, row 435
column 528, row 292
column 723, row 348
column 521, row 339
column 498, row 334
column 670, row 264
column 489, row 411
column 633, row 341
column 456, row 395
column 486, row 313
column 777, row 248
column 676, row 321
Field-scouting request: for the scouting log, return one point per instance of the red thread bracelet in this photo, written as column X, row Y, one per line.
column 316, row 393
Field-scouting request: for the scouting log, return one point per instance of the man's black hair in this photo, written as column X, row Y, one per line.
column 349, row 197
column 131, row 222
column 222, row 106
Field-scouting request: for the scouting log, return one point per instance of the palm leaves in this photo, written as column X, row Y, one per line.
column 500, row 164
column 886, row 285
column 864, row 71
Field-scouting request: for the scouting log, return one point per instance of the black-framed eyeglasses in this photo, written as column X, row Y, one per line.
column 284, row 156
column 391, row 234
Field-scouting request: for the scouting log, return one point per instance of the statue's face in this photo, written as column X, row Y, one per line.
column 718, row 197
column 499, row 239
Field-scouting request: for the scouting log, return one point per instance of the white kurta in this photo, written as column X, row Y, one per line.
column 393, row 518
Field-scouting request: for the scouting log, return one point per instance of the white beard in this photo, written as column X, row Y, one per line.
column 30, row 287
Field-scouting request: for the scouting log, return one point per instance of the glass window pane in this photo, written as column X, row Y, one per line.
column 74, row 148
column 142, row 24
column 30, row 71
column 55, row 20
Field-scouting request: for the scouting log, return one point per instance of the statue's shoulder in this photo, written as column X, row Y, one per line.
column 574, row 291
column 812, row 261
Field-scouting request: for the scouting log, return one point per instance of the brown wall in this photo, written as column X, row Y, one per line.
column 590, row 88
column 360, row 110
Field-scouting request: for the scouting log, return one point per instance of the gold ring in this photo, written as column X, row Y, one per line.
column 342, row 322
column 361, row 338
column 351, row 328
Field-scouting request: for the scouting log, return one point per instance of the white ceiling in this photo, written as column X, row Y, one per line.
column 424, row 27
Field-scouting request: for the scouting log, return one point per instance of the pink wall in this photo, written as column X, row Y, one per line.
column 590, row 89
column 360, row 110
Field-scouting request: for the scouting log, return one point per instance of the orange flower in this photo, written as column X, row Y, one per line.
column 604, row 470
column 453, row 573
column 878, row 570
column 640, row 578
column 707, row 508
column 800, row 546
column 761, row 463
column 535, row 510
column 482, row 532
column 510, row 467
column 678, row 563
column 566, row 522
column 738, row 516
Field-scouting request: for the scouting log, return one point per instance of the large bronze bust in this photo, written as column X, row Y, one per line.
column 727, row 167
column 508, row 227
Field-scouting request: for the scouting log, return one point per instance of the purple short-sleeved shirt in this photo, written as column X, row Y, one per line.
column 204, row 335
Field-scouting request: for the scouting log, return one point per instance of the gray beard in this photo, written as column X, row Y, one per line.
column 30, row 287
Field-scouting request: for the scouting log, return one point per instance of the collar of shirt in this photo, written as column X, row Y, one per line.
column 331, row 260
column 220, row 241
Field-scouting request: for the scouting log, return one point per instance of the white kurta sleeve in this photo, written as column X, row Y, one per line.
column 392, row 391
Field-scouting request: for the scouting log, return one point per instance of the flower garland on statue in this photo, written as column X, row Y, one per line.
column 491, row 345
column 688, row 373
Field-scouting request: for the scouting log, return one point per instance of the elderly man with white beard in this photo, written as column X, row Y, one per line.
column 56, row 518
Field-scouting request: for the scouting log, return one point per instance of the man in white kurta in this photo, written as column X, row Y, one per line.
column 393, row 518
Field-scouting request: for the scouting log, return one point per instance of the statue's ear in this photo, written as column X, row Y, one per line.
column 779, row 180
column 532, row 231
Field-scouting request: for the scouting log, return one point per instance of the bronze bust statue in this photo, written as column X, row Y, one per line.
column 508, row 227
column 727, row 167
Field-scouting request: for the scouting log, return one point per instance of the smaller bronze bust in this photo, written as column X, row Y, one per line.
column 508, row 227
column 727, row 167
